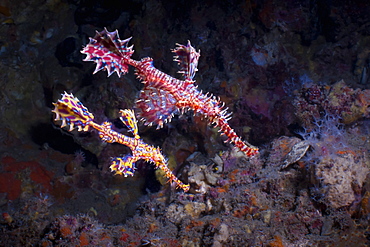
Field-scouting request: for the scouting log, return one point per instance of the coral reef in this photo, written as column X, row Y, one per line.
column 338, row 167
column 314, row 101
column 81, row 230
column 338, row 181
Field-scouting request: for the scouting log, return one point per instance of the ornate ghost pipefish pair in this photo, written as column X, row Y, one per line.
column 161, row 97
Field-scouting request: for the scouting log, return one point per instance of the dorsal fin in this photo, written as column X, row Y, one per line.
column 187, row 58
column 72, row 113
column 129, row 119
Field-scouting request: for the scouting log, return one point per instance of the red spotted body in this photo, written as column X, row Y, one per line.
column 163, row 95
column 74, row 114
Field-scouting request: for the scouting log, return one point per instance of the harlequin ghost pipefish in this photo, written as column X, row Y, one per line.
column 163, row 95
column 74, row 114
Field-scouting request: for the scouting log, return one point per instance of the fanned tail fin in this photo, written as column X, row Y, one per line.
column 108, row 52
column 129, row 119
column 187, row 58
column 156, row 106
column 72, row 113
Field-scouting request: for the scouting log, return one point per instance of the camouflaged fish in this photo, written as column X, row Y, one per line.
column 74, row 114
column 163, row 95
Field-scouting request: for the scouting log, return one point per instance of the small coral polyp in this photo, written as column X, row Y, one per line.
column 163, row 95
column 327, row 138
column 74, row 114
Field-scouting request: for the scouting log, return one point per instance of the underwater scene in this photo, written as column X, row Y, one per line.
column 185, row 123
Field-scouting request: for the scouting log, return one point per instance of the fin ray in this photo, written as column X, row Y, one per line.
column 72, row 113
column 156, row 106
column 108, row 52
